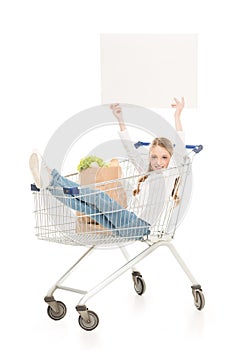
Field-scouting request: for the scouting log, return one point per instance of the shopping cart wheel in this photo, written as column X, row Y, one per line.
column 199, row 299
column 58, row 314
column 91, row 324
column 139, row 283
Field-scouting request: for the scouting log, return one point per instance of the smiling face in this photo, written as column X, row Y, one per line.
column 159, row 158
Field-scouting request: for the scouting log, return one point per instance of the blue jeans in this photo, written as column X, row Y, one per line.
column 103, row 209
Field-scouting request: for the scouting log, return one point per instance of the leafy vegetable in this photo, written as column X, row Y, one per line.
column 86, row 162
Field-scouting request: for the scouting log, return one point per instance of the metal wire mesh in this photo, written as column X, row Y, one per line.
column 154, row 212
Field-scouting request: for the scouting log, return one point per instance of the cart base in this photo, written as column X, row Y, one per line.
column 88, row 319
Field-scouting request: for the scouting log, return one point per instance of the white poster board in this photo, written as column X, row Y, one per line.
column 149, row 69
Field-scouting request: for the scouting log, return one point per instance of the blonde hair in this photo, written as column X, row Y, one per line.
column 158, row 141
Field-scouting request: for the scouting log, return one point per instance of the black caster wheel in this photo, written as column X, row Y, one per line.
column 91, row 324
column 62, row 310
column 199, row 299
column 139, row 283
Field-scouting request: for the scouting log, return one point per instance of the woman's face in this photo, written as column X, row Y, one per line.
column 159, row 158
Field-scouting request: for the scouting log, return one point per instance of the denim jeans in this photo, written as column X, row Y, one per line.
column 100, row 206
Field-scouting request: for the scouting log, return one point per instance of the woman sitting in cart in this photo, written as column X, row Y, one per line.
column 106, row 211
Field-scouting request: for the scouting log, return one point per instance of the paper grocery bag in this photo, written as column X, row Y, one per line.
column 98, row 178
column 95, row 175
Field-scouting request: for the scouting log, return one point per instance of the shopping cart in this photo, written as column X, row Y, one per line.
column 166, row 202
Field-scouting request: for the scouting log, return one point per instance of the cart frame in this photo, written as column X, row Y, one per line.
column 88, row 319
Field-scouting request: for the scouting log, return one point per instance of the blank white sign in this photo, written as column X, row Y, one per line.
column 149, row 69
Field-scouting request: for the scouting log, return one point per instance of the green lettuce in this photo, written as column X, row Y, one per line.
column 87, row 161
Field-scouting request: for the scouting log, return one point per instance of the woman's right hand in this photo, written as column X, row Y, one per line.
column 117, row 111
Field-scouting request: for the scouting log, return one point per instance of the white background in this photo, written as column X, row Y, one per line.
column 50, row 70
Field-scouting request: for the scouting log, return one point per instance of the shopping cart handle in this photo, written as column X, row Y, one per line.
column 34, row 188
column 140, row 143
column 71, row 190
column 195, row 148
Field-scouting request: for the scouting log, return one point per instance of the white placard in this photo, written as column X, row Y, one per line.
column 149, row 69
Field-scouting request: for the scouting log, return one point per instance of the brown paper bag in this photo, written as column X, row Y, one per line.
column 113, row 189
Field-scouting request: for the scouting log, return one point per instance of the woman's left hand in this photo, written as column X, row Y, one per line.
column 178, row 105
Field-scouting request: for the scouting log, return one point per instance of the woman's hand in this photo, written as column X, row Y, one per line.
column 117, row 111
column 179, row 106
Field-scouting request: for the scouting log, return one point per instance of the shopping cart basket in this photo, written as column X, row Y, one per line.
column 162, row 210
